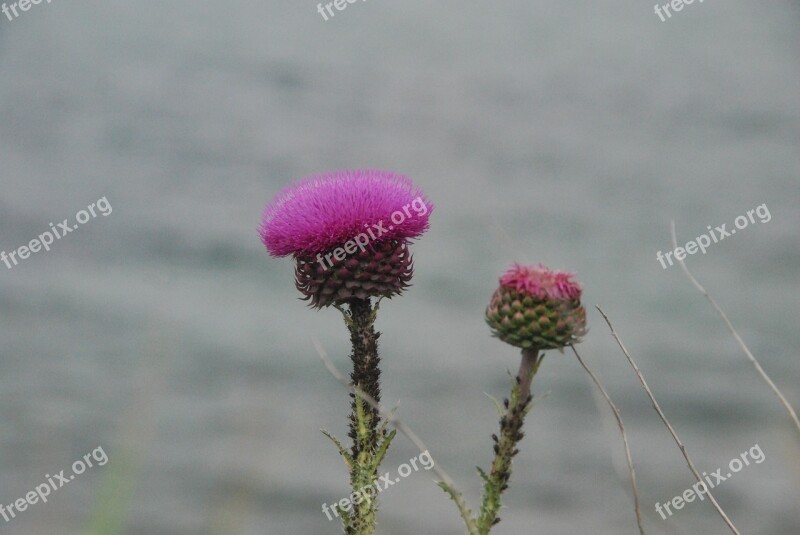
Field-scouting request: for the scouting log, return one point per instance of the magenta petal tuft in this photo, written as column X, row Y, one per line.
column 322, row 212
column 540, row 282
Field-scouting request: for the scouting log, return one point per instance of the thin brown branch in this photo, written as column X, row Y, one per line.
column 663, row 417
column 621, row 425
column 738, row 338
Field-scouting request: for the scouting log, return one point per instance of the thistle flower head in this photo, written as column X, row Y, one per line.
column 348, row 232
column 321, row 212
column 535, row 307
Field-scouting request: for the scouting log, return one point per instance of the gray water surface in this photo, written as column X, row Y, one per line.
column 568, row 133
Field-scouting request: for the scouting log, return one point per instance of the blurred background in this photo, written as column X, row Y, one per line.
column 569, row 133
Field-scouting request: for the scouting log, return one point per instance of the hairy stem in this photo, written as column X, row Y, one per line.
column 446, row 483
column 366, row 371
column 505, row 448
column 364, row 419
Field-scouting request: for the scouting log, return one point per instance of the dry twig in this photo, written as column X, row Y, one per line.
column 738, row 338
column 663, row 417
column 628, row 457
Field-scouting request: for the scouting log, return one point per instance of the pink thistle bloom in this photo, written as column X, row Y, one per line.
column 348, row 232
column 321, row 212
column 541, row 282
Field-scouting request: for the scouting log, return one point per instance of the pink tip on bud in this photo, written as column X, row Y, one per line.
column 540, row 282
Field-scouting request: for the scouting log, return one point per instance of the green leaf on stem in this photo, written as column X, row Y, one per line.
column 348, row 460
column 497, row 404
column 382, row 449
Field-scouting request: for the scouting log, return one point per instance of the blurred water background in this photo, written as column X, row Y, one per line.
column 563, row 132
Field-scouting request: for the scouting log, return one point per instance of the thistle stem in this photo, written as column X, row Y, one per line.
column 364, row 419
column 366, row 371
column 447, row 484
column 517, row 406
column 527, row 369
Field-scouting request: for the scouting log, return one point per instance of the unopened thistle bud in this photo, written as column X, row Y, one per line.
column 537, row 308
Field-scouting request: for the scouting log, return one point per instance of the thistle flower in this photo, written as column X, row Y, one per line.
column 534, row 309
column 537, row 308
column 349, row 233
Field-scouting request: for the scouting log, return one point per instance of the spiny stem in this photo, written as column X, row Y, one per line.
column 366, row 371
column 505, row 447
column 447, row 482
column 364, row 431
